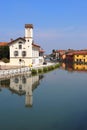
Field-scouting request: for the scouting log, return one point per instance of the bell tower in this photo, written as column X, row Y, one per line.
column 28, row 42
column 28, row 32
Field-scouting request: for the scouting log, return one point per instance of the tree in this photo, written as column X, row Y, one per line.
column 4, row 52
column 53, row 53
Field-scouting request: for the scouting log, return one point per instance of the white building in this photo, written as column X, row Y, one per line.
column 23, row 51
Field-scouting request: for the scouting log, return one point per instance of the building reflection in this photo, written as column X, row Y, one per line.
column 23, row 85
column 81, row 67
column 74, row 67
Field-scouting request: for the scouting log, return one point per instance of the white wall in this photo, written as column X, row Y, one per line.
column 26, row 46
column 28, row 33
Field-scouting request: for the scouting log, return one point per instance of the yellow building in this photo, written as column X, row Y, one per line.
column 80, row 57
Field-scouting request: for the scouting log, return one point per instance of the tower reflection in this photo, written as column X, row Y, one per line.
column 23, row 85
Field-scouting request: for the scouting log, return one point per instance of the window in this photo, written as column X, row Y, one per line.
column 16, row 80
column 20, row 87
column 23, row 53
column 15, row 53
column 77, row 68
column 80, row 60
column 20, row 46
column 77, row 60
column 23, row 80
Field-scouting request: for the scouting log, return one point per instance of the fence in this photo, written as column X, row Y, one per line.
column 13, row 72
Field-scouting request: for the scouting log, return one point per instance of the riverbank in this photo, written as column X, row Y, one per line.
column 10, row 71
column 44, row 69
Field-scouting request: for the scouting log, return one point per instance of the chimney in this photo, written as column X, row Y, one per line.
column 11, row 39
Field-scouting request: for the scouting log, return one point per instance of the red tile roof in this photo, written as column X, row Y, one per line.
column 28, row 25
column 35, row 45
column 77, row 52
column 3, row 43
column 80, row 53
column 41, row 50
column 12, row 41
column 70, row 54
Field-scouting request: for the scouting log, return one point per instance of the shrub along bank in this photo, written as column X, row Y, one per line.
column 44, row 69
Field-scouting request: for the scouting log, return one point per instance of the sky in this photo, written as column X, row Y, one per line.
column 58, row 24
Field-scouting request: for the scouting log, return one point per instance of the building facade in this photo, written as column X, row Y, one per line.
column 23, row 51
column 80, row 57
column 73, row 56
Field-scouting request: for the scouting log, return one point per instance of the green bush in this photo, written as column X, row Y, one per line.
column 45, row 69
column 57, row 65
column 40, row 70
column 33, row 71
column 5, row 60
column 50, row 68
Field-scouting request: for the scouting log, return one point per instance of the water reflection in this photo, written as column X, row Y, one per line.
column 74, row 67
column 22, row 85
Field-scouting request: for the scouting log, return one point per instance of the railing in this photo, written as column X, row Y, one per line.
column 13, row 72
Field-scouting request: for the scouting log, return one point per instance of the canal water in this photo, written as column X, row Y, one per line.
column 56, row 100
